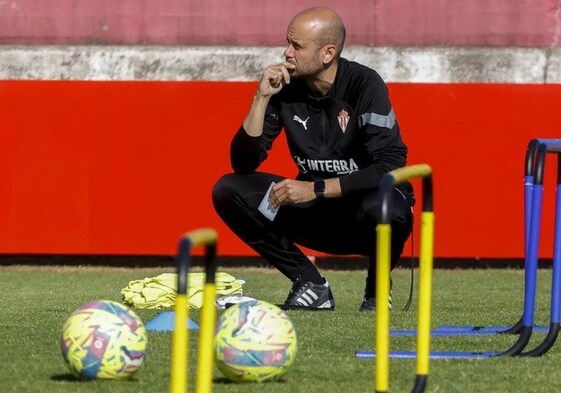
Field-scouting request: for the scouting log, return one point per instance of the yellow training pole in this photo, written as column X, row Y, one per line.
column 206, row 337
column 383, row 248
column 180, row 339
column 179, row 348
column 425, row 294
column 383, row 236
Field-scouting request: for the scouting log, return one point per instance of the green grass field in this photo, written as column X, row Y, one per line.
column 37, row 300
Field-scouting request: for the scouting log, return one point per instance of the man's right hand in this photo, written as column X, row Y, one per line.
column 274, row 78
column 272, row 81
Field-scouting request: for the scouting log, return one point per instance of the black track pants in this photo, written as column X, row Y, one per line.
column 340, row 226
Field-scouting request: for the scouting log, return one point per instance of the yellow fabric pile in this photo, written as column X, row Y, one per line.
column 159, row 292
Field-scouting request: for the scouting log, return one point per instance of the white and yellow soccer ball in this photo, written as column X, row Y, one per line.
column 255, row 342
column 103, row 339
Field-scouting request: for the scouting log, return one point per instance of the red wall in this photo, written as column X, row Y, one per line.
column 127, row 167
column 219, row 22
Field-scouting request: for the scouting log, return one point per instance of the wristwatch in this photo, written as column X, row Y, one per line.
column 319, row 188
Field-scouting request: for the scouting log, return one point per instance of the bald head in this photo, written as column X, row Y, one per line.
column 324, row 25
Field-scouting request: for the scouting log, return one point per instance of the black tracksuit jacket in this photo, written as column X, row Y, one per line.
column 351, row 132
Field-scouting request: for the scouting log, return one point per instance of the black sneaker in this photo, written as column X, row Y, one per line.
column 369, row 304
column 309, row 297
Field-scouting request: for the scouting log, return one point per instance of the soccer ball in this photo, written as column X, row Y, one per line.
column 103, row 339
column 255, row 342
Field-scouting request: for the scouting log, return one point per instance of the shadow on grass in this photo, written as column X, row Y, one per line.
column 226, row 381
column 67, row 378
column 73, row 378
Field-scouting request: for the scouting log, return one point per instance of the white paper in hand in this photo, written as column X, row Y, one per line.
column 265, row 207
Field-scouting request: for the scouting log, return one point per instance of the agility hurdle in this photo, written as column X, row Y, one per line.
column 535, row 163
column 542, row 147
column 180, row 339
column 552, row 145
column 536, row 152
column 529, row 176
column 383, row 247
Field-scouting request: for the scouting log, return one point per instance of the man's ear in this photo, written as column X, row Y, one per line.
column 329, row 51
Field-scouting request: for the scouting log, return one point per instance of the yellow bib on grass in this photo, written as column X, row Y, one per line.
column 159, row 292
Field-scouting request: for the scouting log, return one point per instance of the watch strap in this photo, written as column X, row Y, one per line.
column 319, row 188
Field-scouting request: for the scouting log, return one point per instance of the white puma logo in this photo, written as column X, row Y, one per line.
column 303, row 122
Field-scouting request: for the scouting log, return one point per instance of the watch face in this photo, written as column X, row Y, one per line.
column 319, row 186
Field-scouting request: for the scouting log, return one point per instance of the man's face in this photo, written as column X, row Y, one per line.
column 301, row 49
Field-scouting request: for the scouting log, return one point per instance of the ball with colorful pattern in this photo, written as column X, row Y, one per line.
column 103, row 340
column 255, row 342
